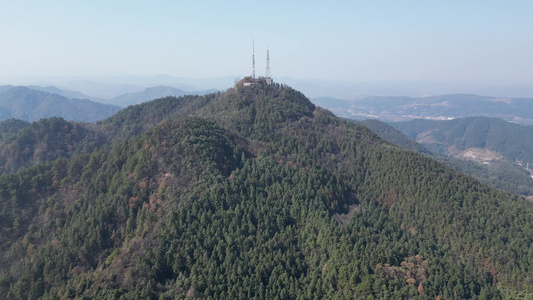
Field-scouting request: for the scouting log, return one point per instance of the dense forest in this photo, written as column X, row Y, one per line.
column 493, row 150
column 253, row 193
column 504, row 174
column 45, row 140
column 513, row 141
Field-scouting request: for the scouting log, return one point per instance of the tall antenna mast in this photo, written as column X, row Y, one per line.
column 253, row 60
column 268, row 79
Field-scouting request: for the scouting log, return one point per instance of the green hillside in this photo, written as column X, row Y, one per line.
column 44, row 141
column 394, row 136
column 501, row 149
column 256, row 193
column 10, row 127
column 513, row 141
column 503, row 174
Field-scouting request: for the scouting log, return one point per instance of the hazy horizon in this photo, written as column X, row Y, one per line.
column 460, row 44
column 346, row 40
column 107, row 87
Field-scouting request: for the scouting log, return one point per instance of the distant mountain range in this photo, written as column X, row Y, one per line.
column 30, row 104
column 151, row 94
column 413, row 88
column 107, row 87
column 64, row 93
column 113, row 86
column 393, row 109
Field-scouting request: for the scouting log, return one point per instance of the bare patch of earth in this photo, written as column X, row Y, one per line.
column 504, row 100
column 479, row 155
column 425, row 138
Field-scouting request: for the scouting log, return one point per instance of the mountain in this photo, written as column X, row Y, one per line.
column 10, row 127
column 6, row 87
column 504, row 174
column 64, row 93
column 394, row 136
column 31, row 105
column 45, row 140
column 152, row 93
column 108, row 87
column 478, row 138
column 394, row 109
column 318, row 88
column 101, row 90
column 24, row 144
column 256, row 193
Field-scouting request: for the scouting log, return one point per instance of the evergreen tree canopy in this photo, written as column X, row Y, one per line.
column 255, row 193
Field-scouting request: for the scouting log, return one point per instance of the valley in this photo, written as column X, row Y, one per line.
column 442, row 107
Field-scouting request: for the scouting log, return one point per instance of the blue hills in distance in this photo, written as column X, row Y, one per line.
column 29, row 104
column 443, row 107
column 152, row 93
column 32, row 103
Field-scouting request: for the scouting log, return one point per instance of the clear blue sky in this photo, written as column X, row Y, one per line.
column 336, row 40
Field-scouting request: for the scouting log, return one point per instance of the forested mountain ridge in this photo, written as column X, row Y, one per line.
column 23, row 144
column 44, row 141
column 10, row 127
column 256, row 193
column 504, row 148
column 31, row 105
column 394, row 136
column 502, row 173
column 513, row 141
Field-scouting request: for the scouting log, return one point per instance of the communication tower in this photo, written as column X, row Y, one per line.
column 267, row 76
column 253, row 61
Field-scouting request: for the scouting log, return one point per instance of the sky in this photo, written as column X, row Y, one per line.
column 350, row 41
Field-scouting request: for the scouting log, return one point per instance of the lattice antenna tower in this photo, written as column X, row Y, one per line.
column 268, row 79
column 253, row 60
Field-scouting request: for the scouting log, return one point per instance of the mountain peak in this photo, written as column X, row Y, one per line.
column 258, row 108
column 253, row 185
